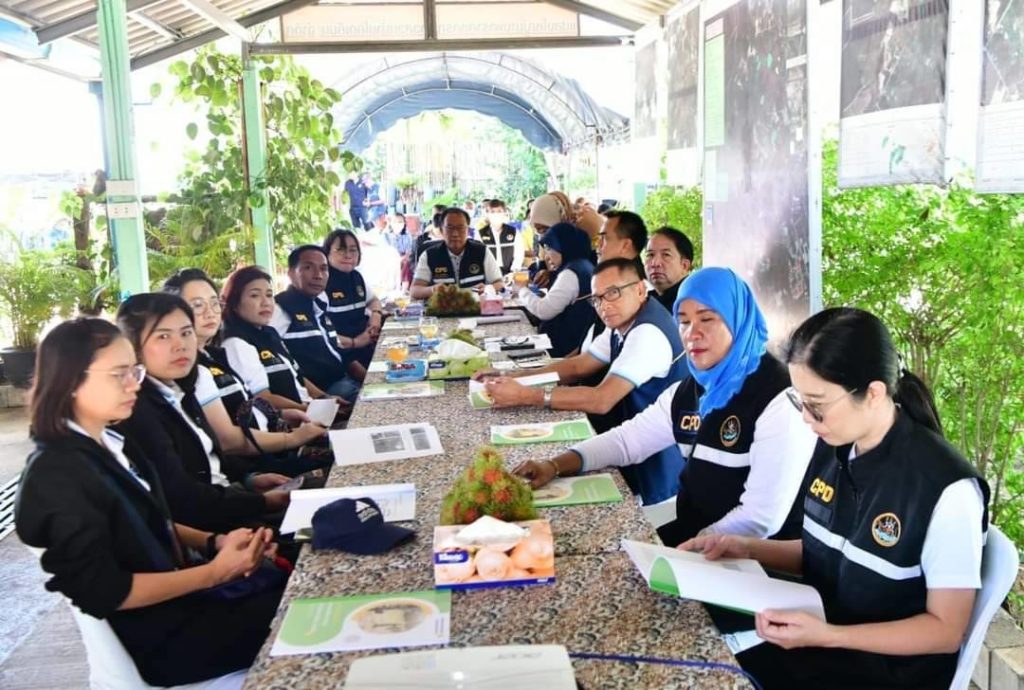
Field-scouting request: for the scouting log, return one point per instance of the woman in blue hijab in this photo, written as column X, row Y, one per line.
column 745, row 445
column 562, row 314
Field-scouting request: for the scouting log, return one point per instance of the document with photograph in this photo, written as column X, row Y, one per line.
column 574, row 491
column 399, row 391
column 397, row 502
column 479, row 399
column 740, row 584
column 543, row 432
column 365, row 621
column 380, row 443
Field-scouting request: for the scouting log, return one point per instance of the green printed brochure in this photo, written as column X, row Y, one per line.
column 574, row 491
column 370, row 621
column 544, row 432
column 401, row 390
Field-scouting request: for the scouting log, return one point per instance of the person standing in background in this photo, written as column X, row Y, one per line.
column 357, row 202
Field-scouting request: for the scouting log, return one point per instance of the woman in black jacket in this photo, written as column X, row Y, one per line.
column 96, row 506
column 169, row 426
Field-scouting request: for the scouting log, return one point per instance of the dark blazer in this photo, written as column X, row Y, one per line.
column 180, row 460
column 88, row 513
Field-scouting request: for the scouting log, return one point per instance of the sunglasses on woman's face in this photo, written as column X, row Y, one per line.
column 814, row 409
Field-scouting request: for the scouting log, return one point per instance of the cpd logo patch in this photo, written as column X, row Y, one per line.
column 730, row 431
column 886, row 529
column 266, row 354
column 360, row 291
column 474, row 268
column 338, row 294
column 689, row 421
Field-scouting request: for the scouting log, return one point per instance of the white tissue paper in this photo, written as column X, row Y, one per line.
column 457, row 349
column 488, row 530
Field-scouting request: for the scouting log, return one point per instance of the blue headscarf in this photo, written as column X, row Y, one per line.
column 725, row 292
column 569, row 241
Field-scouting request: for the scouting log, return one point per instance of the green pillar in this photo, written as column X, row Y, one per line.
column 256, row 158
column 123, row 208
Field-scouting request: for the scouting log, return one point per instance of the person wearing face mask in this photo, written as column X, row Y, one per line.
column 300, row 318
column 563, row 311
column 501, row 238
column 352, row 306
column 169, row 426
column 222, row 394
column 746, row 449
column 254, row 349
column 894, row 521
column 95, row 504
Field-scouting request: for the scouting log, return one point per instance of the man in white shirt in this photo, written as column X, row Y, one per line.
column 457, row 261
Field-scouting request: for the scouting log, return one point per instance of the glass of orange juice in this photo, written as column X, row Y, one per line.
column 520, row 278
column 397, row 352
column 428, row 327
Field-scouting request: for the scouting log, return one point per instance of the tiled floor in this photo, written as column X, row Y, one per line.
column 40, row 648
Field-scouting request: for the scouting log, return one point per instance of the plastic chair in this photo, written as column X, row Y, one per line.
column 999, row 563
column 110, row 666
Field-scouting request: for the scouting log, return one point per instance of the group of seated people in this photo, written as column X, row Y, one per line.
column 163, row 441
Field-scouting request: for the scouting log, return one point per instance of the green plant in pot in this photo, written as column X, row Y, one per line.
column 35, row 286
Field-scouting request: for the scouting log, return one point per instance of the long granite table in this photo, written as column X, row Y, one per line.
column 598, row 604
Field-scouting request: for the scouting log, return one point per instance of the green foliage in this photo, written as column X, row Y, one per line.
column 39, row 285
column 210, row 224
column 680, row 208
column 943, row 269
column 487, row 488
column 449, row 198
column 526, row 174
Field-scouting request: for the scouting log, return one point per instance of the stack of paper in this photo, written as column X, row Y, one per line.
column 396, row 501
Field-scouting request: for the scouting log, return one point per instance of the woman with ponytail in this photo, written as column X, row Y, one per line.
column 893, row 523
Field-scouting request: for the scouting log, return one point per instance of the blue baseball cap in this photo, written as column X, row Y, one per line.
column 356, row 525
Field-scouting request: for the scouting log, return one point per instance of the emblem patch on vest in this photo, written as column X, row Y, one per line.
column 301, row 317
column 474, row 268
column 214, row 371
column 440, row 270
column 730, row 431
column 886, row 529
column 338, row 295
column 360, row 291
column 266, row 354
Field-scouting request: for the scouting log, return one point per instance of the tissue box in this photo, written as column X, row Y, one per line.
column 492, row 306
column 439, row 367
column 529, row 560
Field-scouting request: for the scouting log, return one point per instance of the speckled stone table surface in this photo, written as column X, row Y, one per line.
column 598, row 604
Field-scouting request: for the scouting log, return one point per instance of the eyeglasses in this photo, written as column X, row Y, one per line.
column 610, row 295
column 816, row 410
column 125, row 376
column 201, row 305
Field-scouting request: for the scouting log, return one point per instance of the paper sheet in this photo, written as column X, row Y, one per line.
column 322, row 412
column 397, row 502
column 572, row 491
column 740, row 584
column 380, row 443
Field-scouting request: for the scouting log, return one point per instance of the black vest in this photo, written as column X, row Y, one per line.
column 568, row 328
column 471, row 265
column 311, row 339
column 346, row 302
column 717, row 448
column 232, row 390
column 277, row 361
column 501, row 246
column 864, row 527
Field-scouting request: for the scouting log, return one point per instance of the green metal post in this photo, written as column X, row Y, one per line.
column 256, row 158
column 123, row 208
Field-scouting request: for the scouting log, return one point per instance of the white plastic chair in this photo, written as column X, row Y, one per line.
column 999, row 563
column 110, row 666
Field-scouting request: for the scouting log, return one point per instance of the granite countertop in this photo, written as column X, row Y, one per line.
column 598, row 604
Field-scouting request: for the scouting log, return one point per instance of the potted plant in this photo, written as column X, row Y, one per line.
column 38, row 285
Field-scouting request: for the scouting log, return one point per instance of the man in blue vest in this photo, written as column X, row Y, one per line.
column 300, row 316
column 644, row 355
column 457, row 261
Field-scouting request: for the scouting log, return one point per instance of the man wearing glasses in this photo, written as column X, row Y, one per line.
column 457, row 260
column 644, row 355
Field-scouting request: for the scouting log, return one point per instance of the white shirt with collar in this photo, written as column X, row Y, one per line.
column 646, row 354
column 492, row 271
column 174, row 395
column 114, row 442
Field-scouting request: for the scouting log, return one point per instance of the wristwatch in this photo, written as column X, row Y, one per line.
column 547, row 398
